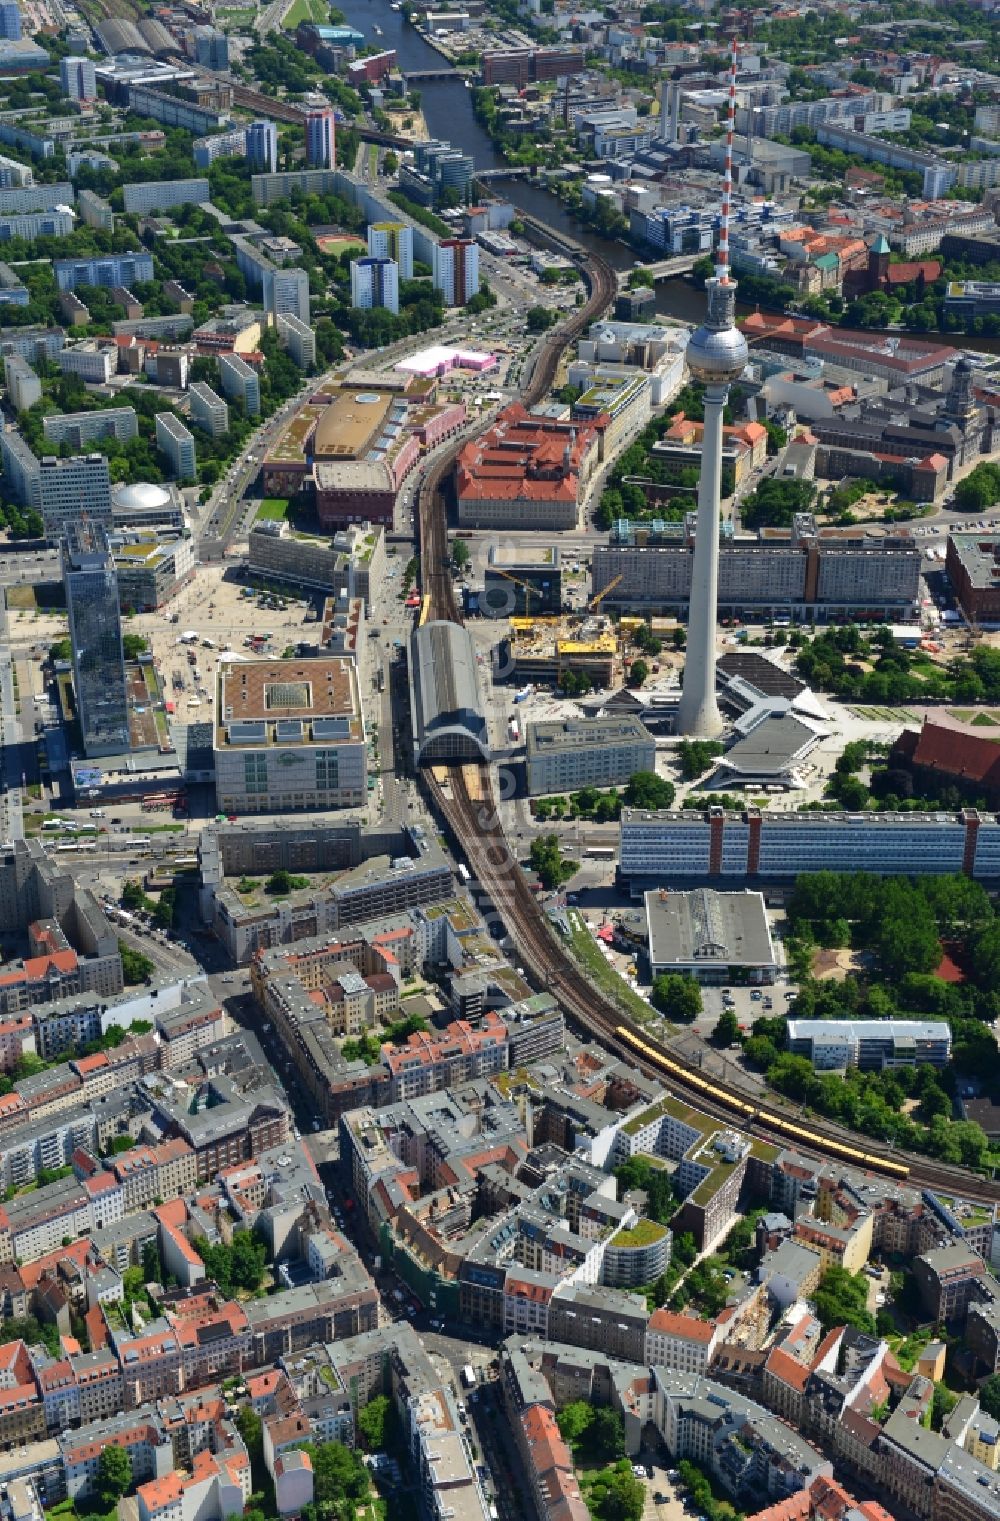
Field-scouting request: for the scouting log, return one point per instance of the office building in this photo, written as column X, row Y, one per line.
column 447, row 171
column 21, row 470
column 728, row 848
column 321, row 139
column 107, row 270
column 262, row 147
column 525, row 471
column 564, row 754
column 149, row 569
column 973, row 566
column 393, row 240
column 298, row 338
column 804, row 572
column 289, row 737
column 871, row 1045
column 240, row 383
column 70, row 486
column 78, row 78
column 208, row 410
column 375, row 282
column 23, row 386
column 521, row 66
column 10, row 21
column 456, row 270
column 160, row 195
column 177, row 445
column 93, row 362
column 521, row 583
column 95, row 633
column 82, row 428
column 350, row 565
column 209, row 47
column 714, row 936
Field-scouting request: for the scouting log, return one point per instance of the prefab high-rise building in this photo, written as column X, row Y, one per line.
column 262, row 147
column 95, row 633
column 456, row 270
column 375, row 282
column 78, row 78
column 393, row 240
column 321, row 139
column 10, row 21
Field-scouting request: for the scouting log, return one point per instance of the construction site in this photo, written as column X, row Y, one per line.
column 544, row 650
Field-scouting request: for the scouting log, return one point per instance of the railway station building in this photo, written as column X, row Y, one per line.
column 448, row 719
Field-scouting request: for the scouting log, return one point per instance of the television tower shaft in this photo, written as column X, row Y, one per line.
column 716, row 355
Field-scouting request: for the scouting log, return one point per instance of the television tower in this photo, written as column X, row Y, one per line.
column 716, row 355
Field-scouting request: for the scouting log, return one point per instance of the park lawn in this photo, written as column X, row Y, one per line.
column 306, row 10
column 275, row 508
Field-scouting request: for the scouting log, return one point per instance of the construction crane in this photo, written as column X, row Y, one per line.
column 595, row 602
column 529, row 590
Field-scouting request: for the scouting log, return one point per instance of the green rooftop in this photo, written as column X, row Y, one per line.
column 642, row 1233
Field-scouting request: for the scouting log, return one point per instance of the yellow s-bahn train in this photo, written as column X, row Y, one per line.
column 798, row 1135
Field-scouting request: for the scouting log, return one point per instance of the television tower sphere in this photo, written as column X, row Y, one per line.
column 717, row 351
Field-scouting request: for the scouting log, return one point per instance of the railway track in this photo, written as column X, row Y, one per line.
column 463, row 795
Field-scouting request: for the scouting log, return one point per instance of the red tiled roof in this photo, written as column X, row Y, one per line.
column 670, row 1323
column 953, row 753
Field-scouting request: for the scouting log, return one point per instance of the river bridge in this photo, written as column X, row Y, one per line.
column 425, row 76
column 682, row 264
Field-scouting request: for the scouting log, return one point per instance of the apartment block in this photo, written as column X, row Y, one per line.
column 208, row 410
column 240, row 383
column 177, row 445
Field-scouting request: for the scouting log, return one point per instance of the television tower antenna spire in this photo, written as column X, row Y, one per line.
column 716, row 356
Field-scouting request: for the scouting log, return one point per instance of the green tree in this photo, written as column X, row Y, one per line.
column 152, row 1268
column 696, row 757
column 989, row 1396
column 676, row 995
column 548, row 862
column 132, row 894
column 727, row 1030
column 841, row 1300
column 136, row 967
column 375, row 1421
column 279, row 883
column 134, row 645
column 114, row 1473
column 247, row 1262
column 460, row 555
column 574, row 1422
column 338, row 1475
column 645, row 789
column 638, row 671
column 251, row 1429
column 539, row 318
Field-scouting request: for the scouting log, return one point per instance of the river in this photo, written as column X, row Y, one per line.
column 447, row 108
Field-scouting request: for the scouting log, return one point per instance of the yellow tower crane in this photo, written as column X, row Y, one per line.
column 595, row 602
column 529, row 590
